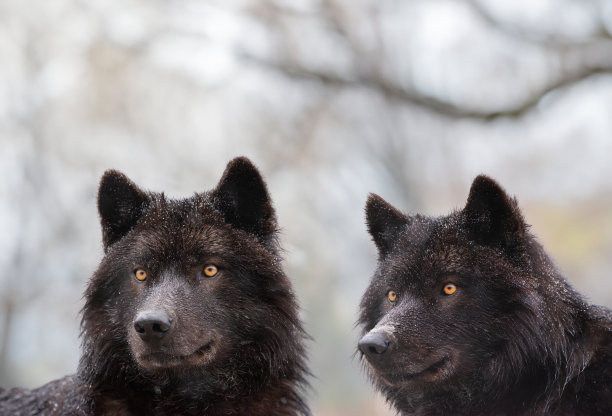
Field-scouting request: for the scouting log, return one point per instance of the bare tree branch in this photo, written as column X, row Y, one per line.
column 517, row 32
column 578, row 60
column 433, row 104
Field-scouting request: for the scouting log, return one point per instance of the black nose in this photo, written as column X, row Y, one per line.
column 374, row 344
column 152, row 325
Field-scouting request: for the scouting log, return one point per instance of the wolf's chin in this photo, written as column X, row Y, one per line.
column 159, row 360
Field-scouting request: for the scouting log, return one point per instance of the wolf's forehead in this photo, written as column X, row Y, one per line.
column 163, row 246
column 184, row 223
column 417, row 234
column 182, row 213
column 409, row 248
column 420, row 230
column 197, row 203
column 427, row 240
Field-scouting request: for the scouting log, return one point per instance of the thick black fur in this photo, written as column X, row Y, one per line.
column 513, row 339
column 236, row 345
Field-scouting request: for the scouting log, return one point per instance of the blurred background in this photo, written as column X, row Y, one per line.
column 331, row 99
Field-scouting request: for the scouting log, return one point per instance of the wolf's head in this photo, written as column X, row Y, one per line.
column 462, row 307
column 191, row 289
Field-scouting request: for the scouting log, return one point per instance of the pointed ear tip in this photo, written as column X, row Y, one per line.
column 112, row 174
column 114, row 182
column 111, row 179
column 373, row 202
column 241, row 162
column 372, row 198
column 482, row 179
column 241, row 166
column 485, row 182
column 378, row 209
column 488, row 191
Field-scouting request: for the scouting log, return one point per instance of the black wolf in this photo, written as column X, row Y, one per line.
column 188, row 313
column 467, row 315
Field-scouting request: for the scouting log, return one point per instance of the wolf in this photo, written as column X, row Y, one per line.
column 189, row 311
column 466, row 314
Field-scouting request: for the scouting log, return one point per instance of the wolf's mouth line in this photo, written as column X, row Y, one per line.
column 162, row 356
column 433, row 368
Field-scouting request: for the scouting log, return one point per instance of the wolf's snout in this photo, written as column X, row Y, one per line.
column 152, row 325
column 373, row 344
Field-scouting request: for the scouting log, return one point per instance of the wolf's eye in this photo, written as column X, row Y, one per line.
column 392, row 296
column 210, row 270
column 140, row 274
column 449, row 289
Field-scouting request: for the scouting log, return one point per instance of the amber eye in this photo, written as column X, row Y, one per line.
column 210, row 270
column 392, row 296
column 140, row 274
column 449, row 289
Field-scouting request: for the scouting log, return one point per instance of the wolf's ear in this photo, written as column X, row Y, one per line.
column 242, row 197
column 120, row 204
column 385, row 223
column 492, row 217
